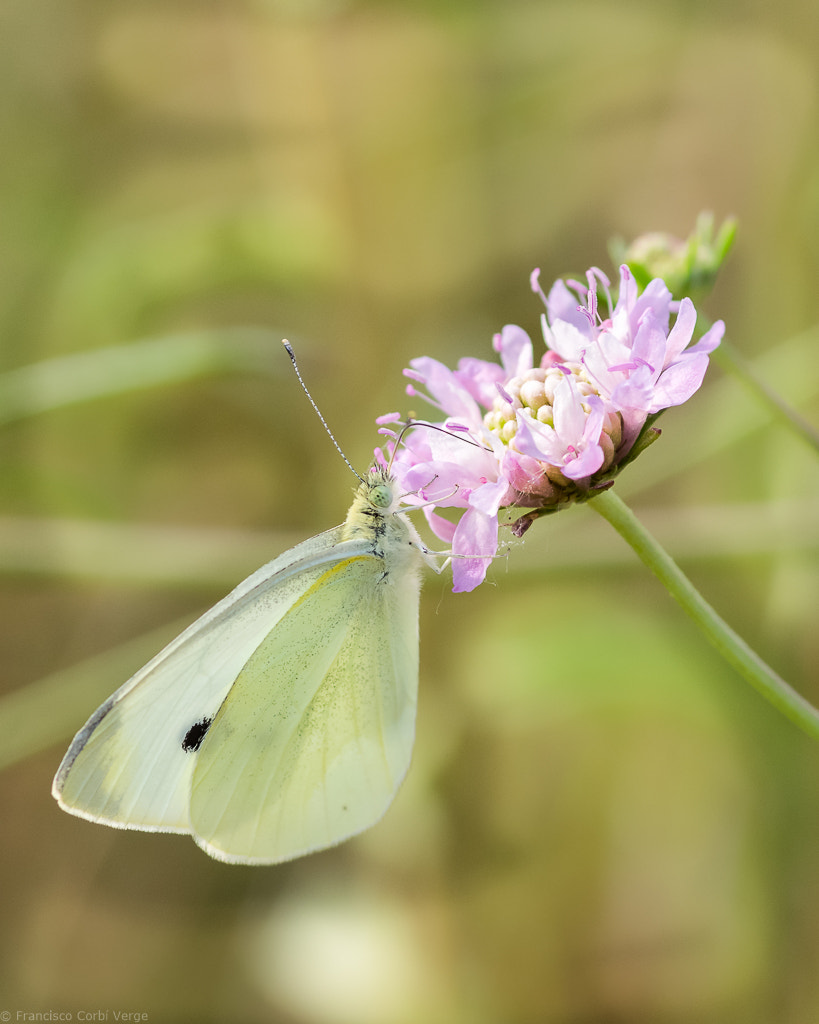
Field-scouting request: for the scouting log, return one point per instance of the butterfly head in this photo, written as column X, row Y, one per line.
column 379, row 491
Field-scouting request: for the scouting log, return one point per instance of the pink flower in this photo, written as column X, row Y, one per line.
column 637, row 365
column 517, row 435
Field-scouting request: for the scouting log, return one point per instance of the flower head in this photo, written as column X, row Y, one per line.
column 518, row 434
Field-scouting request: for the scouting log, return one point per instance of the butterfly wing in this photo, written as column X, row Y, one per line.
column 131, row 765
column 317, row 732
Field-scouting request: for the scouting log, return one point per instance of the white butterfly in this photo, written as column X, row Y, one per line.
column 282, row 721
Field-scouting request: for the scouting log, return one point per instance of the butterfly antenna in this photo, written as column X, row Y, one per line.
column 292, row 355
column 411, row 424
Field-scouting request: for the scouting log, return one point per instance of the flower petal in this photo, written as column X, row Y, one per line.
column 488, row 497
column 681, row 333
column 535, row 439
column 480, row 379
column 446, row 389
column 562, row 305
column 710, row 340
column 514, row 346
column 679, row 382
column 476, row 542
column 441, row 527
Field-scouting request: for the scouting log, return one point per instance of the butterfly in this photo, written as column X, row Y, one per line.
column 282, row 721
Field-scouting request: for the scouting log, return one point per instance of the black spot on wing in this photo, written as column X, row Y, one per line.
column 194, row 736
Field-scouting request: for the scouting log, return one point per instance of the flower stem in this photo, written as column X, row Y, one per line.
column 732, row 647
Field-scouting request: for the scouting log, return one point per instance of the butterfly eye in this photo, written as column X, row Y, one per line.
column 380, row 496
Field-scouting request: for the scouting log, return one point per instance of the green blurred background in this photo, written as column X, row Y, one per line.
column 602, row 823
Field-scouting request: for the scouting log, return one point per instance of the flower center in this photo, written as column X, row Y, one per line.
column 535, row 390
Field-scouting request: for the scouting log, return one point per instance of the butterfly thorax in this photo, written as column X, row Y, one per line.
column 373, row 515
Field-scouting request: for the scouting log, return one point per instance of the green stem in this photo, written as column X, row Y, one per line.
column 732, row 647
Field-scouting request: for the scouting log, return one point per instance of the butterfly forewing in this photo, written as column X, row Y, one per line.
column 131, row 765
column 318, row 732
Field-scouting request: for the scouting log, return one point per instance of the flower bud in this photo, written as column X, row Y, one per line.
column 688, row 267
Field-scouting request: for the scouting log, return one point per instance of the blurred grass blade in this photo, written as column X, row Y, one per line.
column 731, row 409
column 140, row 554
column 151, row 555
column 51, row 710
column 730, row 359
column 70, row 379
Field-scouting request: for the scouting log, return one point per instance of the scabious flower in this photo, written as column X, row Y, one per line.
column 521, row 435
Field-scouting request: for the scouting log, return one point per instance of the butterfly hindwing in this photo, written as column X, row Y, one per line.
column 318, row 731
